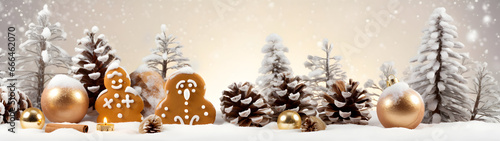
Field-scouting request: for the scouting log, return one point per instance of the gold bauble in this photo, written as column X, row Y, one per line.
column 289, row 120
column 32, row 118
column 405, row 109
column 64, row 102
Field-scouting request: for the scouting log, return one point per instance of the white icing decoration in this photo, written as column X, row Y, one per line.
column 120, row 80
column 163, row 115
column 127, row 100
column 179, row 83
column 131, row 90
column 187, row 94
column 190, row 85
column 116, row 87
column 185, row 110
column 142, row 118
column 193, row 82
column 180, row 91
column 102, row 92
column 179, row 119
column 193, row 90
column 118, row 105
column 117, row 95
column 108, row 103
column 182, row 85
column 166, row 108
column 186, row 103
column 193, row 118
column 113, row 74
column 187, row 117
column 202, row 106
column 113, row 82
column 120, row 115
column 206, row 113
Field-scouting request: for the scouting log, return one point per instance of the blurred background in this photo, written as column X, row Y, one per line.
column 223, row 38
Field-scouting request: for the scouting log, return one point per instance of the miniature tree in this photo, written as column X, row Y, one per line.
column 487, row 92
column 274, row 63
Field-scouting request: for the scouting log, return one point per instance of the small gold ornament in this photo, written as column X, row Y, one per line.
column 32, row 118
column 400, row 106
column 66, row 101
column 289, row 120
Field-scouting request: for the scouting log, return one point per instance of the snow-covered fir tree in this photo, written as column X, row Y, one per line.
column 487, row 95
column 91, row 62
column 436, row 75
column 40, row 58
column 274, row 63
column 167, row 55
column 324, row 70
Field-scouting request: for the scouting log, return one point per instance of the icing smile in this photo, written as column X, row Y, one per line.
column 116, row 87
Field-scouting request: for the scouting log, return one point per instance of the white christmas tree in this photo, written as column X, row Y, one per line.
column 324, row 70
column 167, row 54
column 487, row 92
column 436, row 76
column 40, row 57
column 274, row 63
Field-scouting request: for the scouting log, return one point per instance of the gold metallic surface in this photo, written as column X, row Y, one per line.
column 407, row 111
column 64, row 104
column 32, row 118
column 289, row 120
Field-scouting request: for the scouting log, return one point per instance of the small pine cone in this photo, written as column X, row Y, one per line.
column 22, row 103
column 291, row 93
column 345, row 103
column 242, row 105
column 151, row 124
column 313, row 123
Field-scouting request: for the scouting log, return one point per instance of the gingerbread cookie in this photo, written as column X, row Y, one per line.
column 185, row 102
column 119, row 102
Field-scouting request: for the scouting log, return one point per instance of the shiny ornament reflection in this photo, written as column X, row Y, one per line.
column 406, row 110
column 32, row 118
column 289, row 120
column 64, row 104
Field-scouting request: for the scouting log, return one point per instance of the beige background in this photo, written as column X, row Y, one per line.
column 223, row 38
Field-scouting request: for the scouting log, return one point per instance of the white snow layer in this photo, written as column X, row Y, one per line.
column 143, row 68
column 396, row 90
column 46, row 33
column 184, row 70
column 223, row 131
column 45, row 56
column 95, row 29
column 65, row 81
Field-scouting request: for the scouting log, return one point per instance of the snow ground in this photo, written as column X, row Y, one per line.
column 223, row 131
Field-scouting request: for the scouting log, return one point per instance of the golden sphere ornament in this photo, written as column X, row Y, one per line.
column 64, row 100
column 400, row 106
column 289, row 120
column 32, row 118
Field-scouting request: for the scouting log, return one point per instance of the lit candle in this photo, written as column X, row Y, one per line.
column 105, row 126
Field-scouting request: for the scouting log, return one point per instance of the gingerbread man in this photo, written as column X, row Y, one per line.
column 185, row 102
column 119, row 102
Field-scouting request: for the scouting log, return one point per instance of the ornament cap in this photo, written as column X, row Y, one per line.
column 391, row 80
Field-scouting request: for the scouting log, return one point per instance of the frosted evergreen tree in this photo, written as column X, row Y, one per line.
column 274, row 63
column 436, row 76
column 40, row 57
column 167, row 54
column 324, row 70
column 487, row 96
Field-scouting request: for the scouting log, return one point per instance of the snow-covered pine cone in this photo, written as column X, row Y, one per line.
column 345, row 103
column 22, row 103
column 242, row 105
column 91, row 62
column 291, row 93
column 151, row 124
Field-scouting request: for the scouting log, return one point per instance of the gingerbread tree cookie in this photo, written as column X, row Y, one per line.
column 185, row 102
column 119, row 102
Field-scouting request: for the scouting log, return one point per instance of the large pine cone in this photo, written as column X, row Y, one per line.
column 242, row 105
column 291, row 94
column 345, row 103
column 91, row 63
column 22, row 103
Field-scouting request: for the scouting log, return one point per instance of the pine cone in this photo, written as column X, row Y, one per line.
column 151, row 124
column 345, row 103
column 291, row 94
column 22, row 103
column 243, row 106
column 91, row 63
column 313, row 123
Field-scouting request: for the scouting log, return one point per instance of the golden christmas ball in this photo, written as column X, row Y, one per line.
column 64, row 100
column 289, row 120
column 32, row 118
column 400, row 106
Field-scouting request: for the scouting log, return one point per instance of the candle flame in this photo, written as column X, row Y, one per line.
column 105, row 120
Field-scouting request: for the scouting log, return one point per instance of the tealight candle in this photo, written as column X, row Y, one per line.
column 105, row 126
